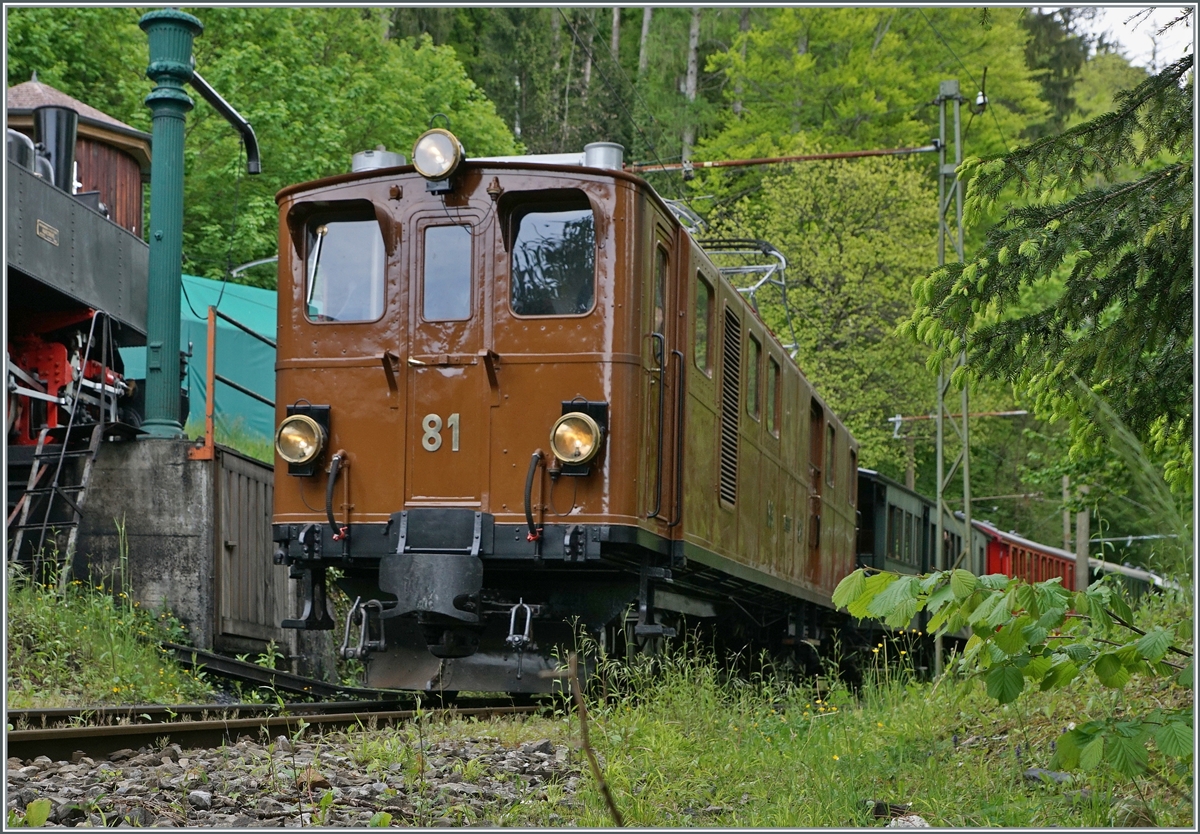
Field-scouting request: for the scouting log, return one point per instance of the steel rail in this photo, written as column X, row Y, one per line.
column 228, row 667
column 61, row 743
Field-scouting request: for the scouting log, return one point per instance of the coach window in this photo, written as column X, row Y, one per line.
column 704, row 308
column 752, row 375
column 829, row 459
column 853, row 478
column 447, row 274
column 553, row 255
column 772, row 396
column 344, row 269
column 908, row 530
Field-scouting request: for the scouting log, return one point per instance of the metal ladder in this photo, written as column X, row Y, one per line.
column 60, row 501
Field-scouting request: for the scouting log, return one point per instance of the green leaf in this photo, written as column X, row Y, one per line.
column 894, row 601
column 874, row 585
column 1120, row 607
column 1066, row 751
column 1077, row 651
column 849, row 588
column 1052, row 618
column 1091, row 753
column 1035, row 634
column 962, row 583
column 1175, row 739
column 1004, row 683
column 939, row 598
column 995, row 581
column 1127, row 755
column 37, row 812
column 1059, row 675
column 1111, row 671
column 1037, row 667
column 1155, row 643
column 984, row 611
column 1027, row 598
column 1011, row 638
column 380, row 819
column 930, row 581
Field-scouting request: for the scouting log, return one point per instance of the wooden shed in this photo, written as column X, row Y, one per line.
column 113, row 158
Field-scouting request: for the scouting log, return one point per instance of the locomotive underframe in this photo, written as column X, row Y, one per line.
column 456, row 619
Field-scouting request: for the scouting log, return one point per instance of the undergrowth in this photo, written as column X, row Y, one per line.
column 85, row 645
column 686, row 745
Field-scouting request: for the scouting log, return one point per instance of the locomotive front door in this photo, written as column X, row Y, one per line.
column 447, row 431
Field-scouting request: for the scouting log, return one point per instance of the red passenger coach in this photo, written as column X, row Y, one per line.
column 1012, row 555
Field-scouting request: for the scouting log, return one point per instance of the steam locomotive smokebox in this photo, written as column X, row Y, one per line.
column 197, row 535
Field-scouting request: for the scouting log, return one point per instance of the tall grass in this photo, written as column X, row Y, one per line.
column 686, row 744
column 88, row 644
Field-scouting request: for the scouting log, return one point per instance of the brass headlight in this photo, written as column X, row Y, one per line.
column 437, row 153
column 300, row 439
column 575, row 438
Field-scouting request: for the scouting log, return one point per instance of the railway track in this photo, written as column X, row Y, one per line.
column 97, row 733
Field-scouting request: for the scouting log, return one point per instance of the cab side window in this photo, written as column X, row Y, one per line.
column 344, row 269
column 704, row 308
column 753, row 398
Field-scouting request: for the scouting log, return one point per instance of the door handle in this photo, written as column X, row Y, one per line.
column 391, row 369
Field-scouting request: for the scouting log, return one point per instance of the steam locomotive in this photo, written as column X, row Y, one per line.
column 515, row 399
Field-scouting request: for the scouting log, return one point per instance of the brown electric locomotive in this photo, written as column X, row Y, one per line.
column 516, row 399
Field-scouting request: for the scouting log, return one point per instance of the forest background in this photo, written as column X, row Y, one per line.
column 671, row 84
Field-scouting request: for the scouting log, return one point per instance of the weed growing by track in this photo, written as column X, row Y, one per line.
column 85, row 646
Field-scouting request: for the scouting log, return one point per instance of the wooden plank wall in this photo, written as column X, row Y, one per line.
column 115, row 174
column 252, row 591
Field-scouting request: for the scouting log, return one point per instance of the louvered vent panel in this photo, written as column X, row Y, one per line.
column 731, row 377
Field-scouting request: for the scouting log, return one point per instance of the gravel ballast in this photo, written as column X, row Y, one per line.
column 467, row 781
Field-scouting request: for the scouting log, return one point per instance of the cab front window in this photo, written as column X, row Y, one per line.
column 344, row 269
column 553, row 256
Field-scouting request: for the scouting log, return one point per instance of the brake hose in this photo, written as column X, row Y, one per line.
column 335, row 466
column 535, row 532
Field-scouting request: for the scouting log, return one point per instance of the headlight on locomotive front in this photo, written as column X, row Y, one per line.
column 300, row 439
column 437, row 153
column 575, row 438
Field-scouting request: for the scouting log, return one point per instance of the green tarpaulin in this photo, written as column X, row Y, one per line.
column 240, row 357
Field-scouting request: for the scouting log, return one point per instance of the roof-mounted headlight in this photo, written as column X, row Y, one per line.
column 437, row 153
column 300, row 439
column 575, row 438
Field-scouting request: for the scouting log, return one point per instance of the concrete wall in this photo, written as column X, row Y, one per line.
column 166, row 504
column 175, row 513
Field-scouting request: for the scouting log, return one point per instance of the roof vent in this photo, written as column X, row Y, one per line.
column 608, row 155
column 378, row 158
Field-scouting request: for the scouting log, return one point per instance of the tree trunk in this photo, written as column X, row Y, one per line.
column 555, row 33
column 615, row 45
column 586, row 45
column 693, row 73
column 743, row 27
column 643, row 55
